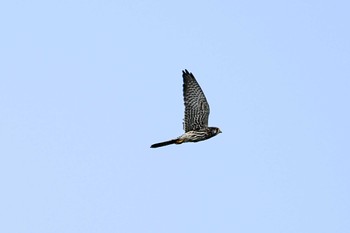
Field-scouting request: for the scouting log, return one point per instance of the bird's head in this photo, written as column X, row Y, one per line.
column 215, row 130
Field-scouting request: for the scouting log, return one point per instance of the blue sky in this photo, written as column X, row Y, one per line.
column 87, row 86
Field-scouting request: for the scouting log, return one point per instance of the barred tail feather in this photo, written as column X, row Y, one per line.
column 166, row 143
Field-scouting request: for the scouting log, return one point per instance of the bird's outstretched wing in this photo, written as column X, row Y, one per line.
column 196, row 105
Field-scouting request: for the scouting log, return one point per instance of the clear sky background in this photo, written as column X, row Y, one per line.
column 87, row 86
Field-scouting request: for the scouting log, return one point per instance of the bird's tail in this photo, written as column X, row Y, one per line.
column 166, row 143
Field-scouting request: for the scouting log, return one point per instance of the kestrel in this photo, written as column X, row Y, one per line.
column 196, row 114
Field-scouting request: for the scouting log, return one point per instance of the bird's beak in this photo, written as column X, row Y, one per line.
column 220, row 131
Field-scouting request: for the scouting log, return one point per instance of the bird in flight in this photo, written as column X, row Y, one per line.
column 196, row 114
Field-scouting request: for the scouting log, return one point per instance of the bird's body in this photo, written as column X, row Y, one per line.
column 191, row 136
column 196, row 114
